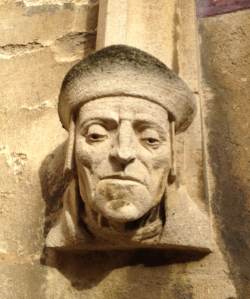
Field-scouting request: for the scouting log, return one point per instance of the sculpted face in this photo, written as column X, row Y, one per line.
column 122, row 154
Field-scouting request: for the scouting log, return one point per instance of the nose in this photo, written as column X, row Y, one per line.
column 124, row 152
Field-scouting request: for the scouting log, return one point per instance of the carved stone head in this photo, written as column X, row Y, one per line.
column 122, row 108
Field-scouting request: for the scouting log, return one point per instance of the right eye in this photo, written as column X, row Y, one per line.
column 95, row 137
column 96, row 133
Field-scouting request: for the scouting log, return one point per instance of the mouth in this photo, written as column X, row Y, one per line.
column 123, row 177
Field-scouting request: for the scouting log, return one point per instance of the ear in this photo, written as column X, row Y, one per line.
column 172, row 173
column 69, row 158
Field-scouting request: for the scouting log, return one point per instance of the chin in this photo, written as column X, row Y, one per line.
column 122, row 200
column 121, row 211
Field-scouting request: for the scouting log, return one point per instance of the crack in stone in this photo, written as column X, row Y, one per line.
column 73, row 46
column 10, row 50
column 39, row 107
column 68, row 47
column 16, row 161
column 33, row 3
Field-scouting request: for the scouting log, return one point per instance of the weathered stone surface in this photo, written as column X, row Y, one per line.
column 22, row 279
column 35, row 72
column 52, row 21
column 122, row 109
column 225, row 43
column 146, row 274
column 30, row 130
column 149, row 27
column 38, row 44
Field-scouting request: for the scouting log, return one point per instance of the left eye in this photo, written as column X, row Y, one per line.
column 152, row 141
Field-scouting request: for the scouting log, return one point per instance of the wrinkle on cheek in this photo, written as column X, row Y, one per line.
column 83, row 159
column 156, row 160
column 90, row 156
column 159, row 162
column 83, row 156
column 162, row 158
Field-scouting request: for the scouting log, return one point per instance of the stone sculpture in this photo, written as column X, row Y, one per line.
column 122, row 108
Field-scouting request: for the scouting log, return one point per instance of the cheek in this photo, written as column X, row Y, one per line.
column 159, row 160
column 83, row 155
column 88, row 155
column 159, row 173
column 161, row 163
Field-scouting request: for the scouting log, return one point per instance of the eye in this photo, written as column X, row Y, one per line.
column 95, row 137
column 150, row 137
column 96, row 133
column 151, row 141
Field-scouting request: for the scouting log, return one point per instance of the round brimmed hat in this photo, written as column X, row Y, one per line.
column 121, row 70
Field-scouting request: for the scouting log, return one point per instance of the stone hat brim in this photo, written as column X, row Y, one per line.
column 119, row 71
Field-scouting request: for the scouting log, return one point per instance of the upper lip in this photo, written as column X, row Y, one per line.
column 123, row 177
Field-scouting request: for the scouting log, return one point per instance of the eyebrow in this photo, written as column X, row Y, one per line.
column 152, row 125
column 98, row 120
column 104, row 115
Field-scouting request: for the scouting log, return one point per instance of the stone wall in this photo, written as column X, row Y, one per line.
column 39, row 41
column 225, row 62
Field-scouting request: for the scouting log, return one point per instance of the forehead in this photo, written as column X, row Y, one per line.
column 119, row 108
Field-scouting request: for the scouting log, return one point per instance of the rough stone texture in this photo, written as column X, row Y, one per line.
column 144, row 274
column 38, row 44
column 225, row 44
column 148, row 26
column 22, row 279
column 35, row 56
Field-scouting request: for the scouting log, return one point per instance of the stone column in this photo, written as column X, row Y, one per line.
column 167, row 30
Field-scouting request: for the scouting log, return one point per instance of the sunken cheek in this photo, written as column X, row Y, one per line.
column 157, row 158
column 91, row 155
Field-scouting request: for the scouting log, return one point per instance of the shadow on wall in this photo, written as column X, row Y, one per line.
column 53, row 184
column 226, row 66
column 87, row 269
